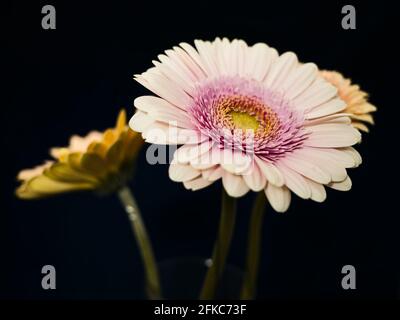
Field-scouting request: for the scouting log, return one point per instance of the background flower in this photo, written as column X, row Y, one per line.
column 279, row 123
column 98, row 161
column 357, row 104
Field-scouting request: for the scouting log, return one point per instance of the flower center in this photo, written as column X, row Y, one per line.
column 243, row 114
column 244, row 121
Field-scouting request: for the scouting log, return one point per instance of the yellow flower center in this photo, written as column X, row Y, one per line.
column 244, row 121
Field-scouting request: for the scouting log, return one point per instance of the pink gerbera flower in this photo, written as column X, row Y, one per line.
column 256, row 119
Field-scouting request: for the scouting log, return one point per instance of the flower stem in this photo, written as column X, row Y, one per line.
column 253, row 248
column 221, row 247
column 152, row 277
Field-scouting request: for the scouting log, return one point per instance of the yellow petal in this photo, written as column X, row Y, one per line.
column 109, row 137
column 360, row 126
column 74, row 161
column 133, row 145
column 99, row 148
column 121, row 121
column 363, row 117
column 24, row 192
column 43, row 185
column 115, row 154
column 63, row 172
column 92, row 163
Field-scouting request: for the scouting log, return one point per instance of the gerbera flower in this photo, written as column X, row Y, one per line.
column 99, row 161
column 102, row 162
column 256, row 119
column 357, row 104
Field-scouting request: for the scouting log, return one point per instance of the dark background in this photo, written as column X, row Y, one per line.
column 76, row 78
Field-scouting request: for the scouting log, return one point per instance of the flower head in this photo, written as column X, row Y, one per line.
column 99, row 161
column 256, row 119
column 357, row 104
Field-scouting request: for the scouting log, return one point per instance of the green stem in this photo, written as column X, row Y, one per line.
column 221, row 247
column 253, row 248
column 152, row 277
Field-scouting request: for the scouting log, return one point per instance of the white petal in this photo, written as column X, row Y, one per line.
column 295, row 181
column 140, row 121
column 280, row 70
column 220, row 47
column 197, row 184
column 173, row 76
column 173, row 62
column 333, row 168
column 317, row 94
column 271, row 172
column 254, row 178
column 208, row 56
column 161, row 133
column 353, row 153
column 179, row 172
column 306, row 168
column 235, row 162
column 161, row 110
column 345, row 185
column 261, row 57
column 278, row 197
column 234, row 185
column 339, row 156
column 194, row 55
column 325, row 137
column 342, row 118
column 188, row 152
column 181, row 57
column 330, row 107
column 318, row 192
column 300, row 80
column 207, row 159
column 164, row 88
column 235, row 57
column 212, row 174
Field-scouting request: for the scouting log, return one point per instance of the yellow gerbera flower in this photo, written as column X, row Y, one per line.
column 357, row 100
column 102, row 162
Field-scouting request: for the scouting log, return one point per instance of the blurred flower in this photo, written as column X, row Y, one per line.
column 256, row 119
column 357, row 104
column 102, row 162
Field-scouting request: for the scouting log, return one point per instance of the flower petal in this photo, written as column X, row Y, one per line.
column 255, row 180
column 325, row 136
column 344, row 185
column 300, row 80
column 295, row 182
column 161, row 110
column 271, row 172
column 278, row 197
column 140, row 121
column 306, row 168
column 180, row 173
column 234, row 185
column 197, row 184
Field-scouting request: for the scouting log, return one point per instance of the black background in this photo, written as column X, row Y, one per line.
column 76, row 78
